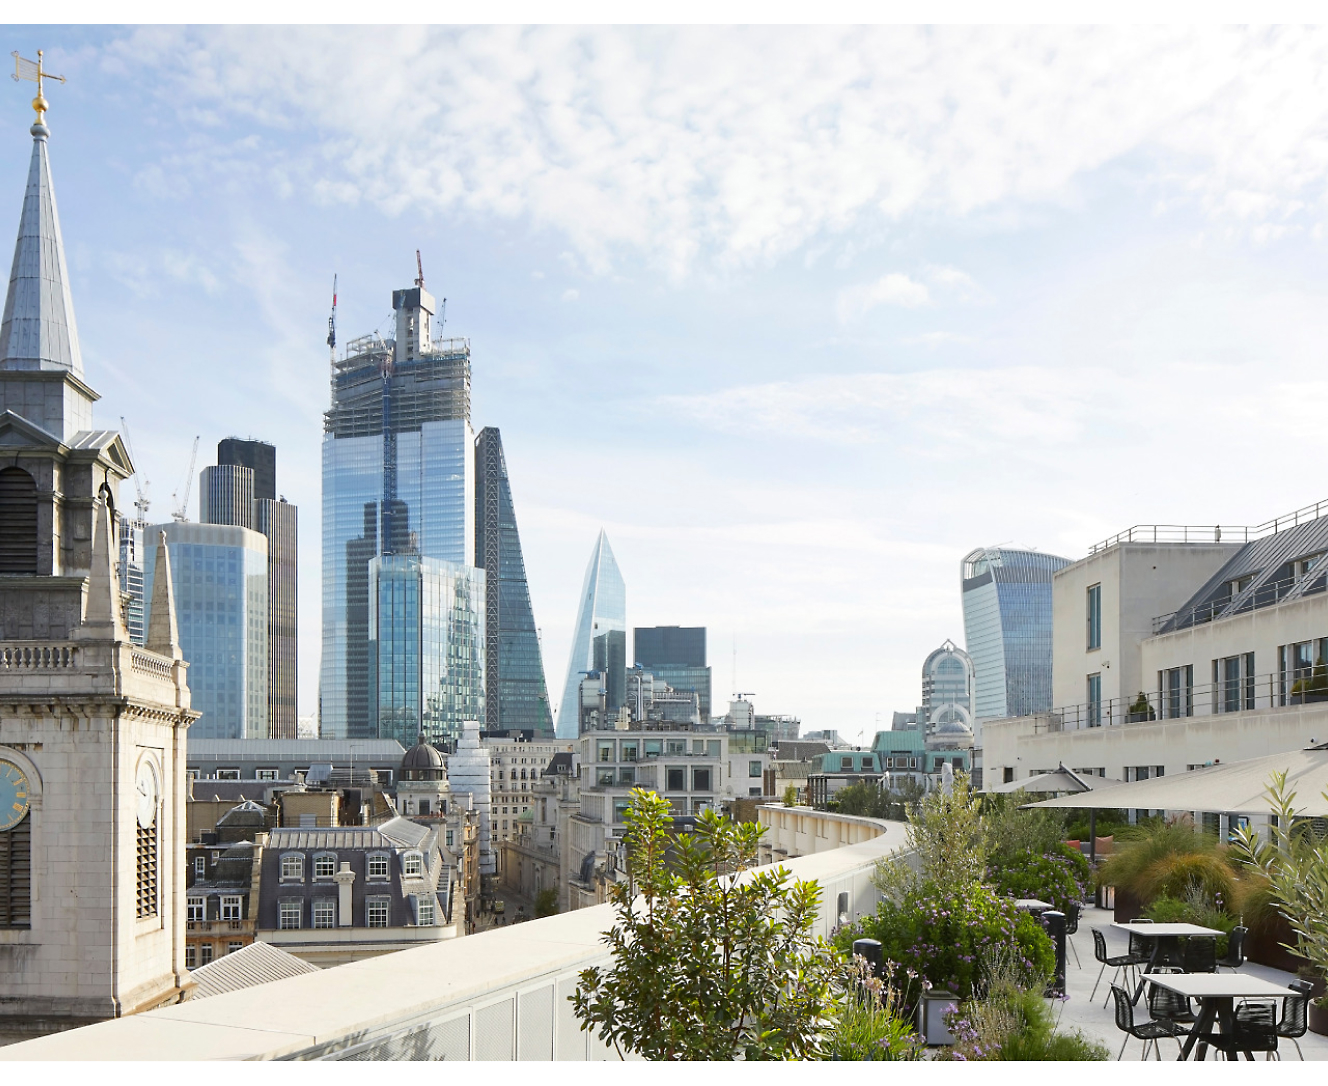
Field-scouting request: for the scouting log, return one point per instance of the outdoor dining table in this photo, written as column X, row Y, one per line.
column 1217, row 994
column 1032, row 905
column 1163, row 938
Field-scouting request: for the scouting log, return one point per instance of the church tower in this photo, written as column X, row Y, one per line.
column 92, row 727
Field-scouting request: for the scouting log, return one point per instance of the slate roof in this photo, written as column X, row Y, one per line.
column 559, row 765
column 394, row 833
column 258, row 963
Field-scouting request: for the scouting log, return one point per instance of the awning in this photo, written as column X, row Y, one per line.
column 1058, row 781
column 1235, row 788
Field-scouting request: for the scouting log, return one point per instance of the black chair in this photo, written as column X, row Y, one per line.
column 1293, row 1023
column 1249, row 1036
column 1071, row 928
column 1119, row 962
column 1235, row 956
column 1148, row 1032
column 1168, row 1006
column 1141, row 949
column 1199, row 955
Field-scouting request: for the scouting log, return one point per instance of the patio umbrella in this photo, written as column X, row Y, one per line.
column 1059, row 780
column 1233, row 788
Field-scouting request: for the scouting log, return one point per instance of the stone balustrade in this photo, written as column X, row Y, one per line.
column 40, row 656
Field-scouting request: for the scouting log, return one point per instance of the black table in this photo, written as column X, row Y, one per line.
column 1217, row 994
column 1165, row 947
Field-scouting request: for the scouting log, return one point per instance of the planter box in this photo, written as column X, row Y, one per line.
column 1318, row 1019
column 932, row 1010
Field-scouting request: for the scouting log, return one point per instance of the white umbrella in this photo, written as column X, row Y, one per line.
column 1058, row 780
column 1234, row 788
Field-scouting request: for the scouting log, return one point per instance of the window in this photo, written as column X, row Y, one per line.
column 231, row 948
column 676, row 746
column 424, row 806
column 1177, row 692
column 325, row 912
column 18, row 521
column 228, row 774
column 200, row 867
column 191, row 957
column 1308, row 563
column 1094, row 617
column 1301, row 671
column 712, row 748
column 424, row 912
column 1095, row 701
column 230, row 907
column 147, row 871
column 626, row 775
column 267, row 775
column 604, row 777
column 1233, row 683
column 754, row 791
column 450, row 835
column 412, row 863
column 620, row 809
column 289, row 914
column 375, row 912
column 378, row 866
column 325, row 865
column 698, row 746
column 628, row 754
column 753, row 769
column 701, row 779
column 205, row 953
column 606, row 752
column 292, row 866
column 1144, row 772
column 845, row 763
column 197, row 909
column 675, row 779
column 192, row 773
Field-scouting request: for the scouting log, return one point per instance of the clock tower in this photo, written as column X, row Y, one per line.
column 92, row 727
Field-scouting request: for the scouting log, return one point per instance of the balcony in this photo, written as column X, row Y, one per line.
column 499, row 995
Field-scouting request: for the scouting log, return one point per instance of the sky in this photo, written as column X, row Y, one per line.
column 798, row 316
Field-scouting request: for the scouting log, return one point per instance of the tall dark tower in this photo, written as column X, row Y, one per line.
column 516, row 695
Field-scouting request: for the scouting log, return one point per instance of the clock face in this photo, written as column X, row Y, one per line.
column 13, row 795
column 146, row 786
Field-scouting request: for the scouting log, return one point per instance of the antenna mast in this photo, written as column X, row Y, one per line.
column 332, row 323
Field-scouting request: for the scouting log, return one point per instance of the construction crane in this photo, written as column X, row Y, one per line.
column 419, row 270
column 180, row 512
column 332, row 323
column 141, row 504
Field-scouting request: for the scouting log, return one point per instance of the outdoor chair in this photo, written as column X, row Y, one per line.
column 1119, row 962
column 1294, row 1020
column 1168, row 1006
column 1148, row 1032
column 1199, row 955
column 1071, row 928
column 1249, row 1037
column 1235, row 956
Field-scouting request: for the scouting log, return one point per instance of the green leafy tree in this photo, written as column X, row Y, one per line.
column 711, row 961
column 872, row 800
column 546, row 902
column 947, row 839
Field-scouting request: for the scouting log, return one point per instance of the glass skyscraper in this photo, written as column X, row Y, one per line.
column 603, row 608
column 1007, row 627
column 219, row 573
column 425, row 634
column 515, row 693
column 677, row 655
column 398, row 478
column 947, row 688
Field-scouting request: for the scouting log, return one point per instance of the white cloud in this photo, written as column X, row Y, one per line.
column 735, row 147
column 891, row 289
column 571, row 295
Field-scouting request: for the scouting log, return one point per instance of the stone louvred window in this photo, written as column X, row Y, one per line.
column 18, row 521
column 147, row 871
column 16, row 876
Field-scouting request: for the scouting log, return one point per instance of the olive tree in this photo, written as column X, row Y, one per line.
column 710, row 960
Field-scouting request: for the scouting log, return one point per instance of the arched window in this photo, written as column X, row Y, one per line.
column 18, row 521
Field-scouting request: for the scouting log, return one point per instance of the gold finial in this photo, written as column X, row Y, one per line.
column 32, row 71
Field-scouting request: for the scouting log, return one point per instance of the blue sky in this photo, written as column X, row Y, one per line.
column 798, row 316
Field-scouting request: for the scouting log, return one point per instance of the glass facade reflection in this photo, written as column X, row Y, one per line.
column 947, row 687
column 516, row 695
column 1007, row 627
column 426, row 638
column 603, row 608
column 398, row 478
column 219, row 573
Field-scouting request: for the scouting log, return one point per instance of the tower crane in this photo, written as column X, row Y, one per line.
column 419, row 271
column 141, row 489
column 332, row 323
column 182, row 504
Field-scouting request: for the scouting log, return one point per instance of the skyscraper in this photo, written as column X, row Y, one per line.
column 398, row 478
column 1007, row 628
column 947, row 688
column 676, row 654
column 603, row 608
column 515, row 693
column 241, row 490
column 132, row 542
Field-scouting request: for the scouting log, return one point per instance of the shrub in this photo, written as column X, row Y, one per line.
column 546, row 902
column 1194, row 908
column 1061, row 876
column 874, row 1023
column 1163, row 858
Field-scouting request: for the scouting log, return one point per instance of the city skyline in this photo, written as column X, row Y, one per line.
column 877, row 368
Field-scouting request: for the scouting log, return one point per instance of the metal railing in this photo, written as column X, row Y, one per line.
column 1215, row 533
column 1266, row 595
column 1247, row 694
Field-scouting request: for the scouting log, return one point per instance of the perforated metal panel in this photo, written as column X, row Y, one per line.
column 448, row 1040
column 534, row 1037
column 493, row 1031
column 571, row 1040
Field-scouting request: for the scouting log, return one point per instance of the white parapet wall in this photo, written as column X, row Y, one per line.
column 500, row 995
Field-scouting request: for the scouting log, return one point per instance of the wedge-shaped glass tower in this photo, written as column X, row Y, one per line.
column 603, row 608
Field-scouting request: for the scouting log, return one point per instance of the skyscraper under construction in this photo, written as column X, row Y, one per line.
column 403, row 605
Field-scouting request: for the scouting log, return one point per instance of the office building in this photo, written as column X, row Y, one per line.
column 92, row 728
column 221, row 594
column 1007, row 630
column 241, row 490
column 426, row 631
column 609, row 658
column 398, row 478
column 516, row 695
column 677, row 655
column 132, row 544
column 603, row 607
column 947, row 688
column 516, row 765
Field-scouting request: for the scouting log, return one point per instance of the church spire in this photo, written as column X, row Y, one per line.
column 38, row 330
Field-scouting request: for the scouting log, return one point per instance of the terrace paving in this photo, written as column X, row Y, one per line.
column 1098, row 1022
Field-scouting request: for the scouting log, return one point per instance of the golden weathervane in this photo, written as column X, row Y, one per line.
column 32, row 70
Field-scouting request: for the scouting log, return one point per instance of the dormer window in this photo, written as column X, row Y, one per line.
column 412, row 863
column 292, row 867
column 1304, row 565
column 378, row 865
column 325, row 865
